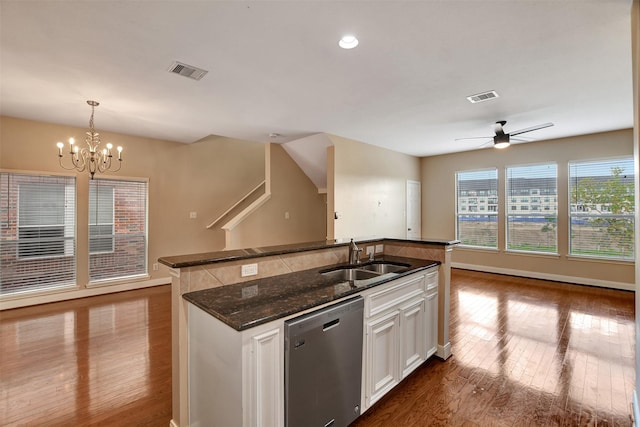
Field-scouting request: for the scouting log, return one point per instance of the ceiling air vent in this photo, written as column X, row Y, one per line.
column 187, row 70
column 484, row 96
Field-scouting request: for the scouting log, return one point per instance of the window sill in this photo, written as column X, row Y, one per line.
column 532, row 254
column 476, row 248
column 37, row 292
column 599, row 260
column 118, row 280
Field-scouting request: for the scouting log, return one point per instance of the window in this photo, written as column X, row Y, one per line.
column 528, row 229
column 38, row 232
column 473, row 228
column 117, row 229
column 602, row 208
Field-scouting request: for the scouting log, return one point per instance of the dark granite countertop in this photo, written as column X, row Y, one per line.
column 245, row 305
column 180, row 261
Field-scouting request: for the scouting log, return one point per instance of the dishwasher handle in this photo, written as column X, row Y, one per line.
column 330, row 325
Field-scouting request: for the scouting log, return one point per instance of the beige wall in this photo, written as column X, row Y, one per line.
column 206, row 177
column 369, row 189
column 292, row 192
column 438, row 206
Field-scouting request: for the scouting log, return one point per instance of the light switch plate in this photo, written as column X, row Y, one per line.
column 379, row 249
column 370, row 250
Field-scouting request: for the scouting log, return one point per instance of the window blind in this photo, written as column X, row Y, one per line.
column 117, row 229
column 477, row 208
column 532, row 208
column 38, row 232
column 601, row 209
column 101, row 218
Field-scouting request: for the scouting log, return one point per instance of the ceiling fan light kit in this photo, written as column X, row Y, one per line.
column 502, row 139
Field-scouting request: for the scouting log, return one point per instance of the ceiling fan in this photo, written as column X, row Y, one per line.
column 502, row 139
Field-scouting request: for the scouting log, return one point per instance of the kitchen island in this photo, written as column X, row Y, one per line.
column 280, row 270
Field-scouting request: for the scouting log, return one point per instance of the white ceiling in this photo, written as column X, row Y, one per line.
column 275, row 66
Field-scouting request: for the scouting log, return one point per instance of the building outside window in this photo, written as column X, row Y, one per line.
column 530, row 229
column 602, row 206
column 474, row 228
column 117, row 229
column 38, row 232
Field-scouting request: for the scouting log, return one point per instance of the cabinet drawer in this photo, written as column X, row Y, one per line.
column 395, row 294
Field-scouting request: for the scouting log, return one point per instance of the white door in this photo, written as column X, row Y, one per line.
column 413, row 210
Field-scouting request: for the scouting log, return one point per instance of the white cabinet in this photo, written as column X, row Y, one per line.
column 381, row 355
column 235, row 378
column 263, row 385
column 431, row 312
column 412, row 341
column 401, row 323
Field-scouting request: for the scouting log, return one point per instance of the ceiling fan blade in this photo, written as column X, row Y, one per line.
column 486, row 143
column 531, row 129
column 474, row 137
column 521, row 139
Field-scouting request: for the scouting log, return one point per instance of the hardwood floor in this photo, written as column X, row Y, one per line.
column 99, row 361
column 525, row 352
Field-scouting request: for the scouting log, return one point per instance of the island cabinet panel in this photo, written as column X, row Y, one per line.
column 401, row 323
column 215, row 358
column 431, row 315
column 264, row 384
column 235, row 378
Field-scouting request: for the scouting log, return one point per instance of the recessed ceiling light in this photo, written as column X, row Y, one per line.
column 348, row 42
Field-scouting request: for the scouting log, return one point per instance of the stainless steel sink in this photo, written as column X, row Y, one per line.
column 350, row 274
column 385, row 267
column 364, row 271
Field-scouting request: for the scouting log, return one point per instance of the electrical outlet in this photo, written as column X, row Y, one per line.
column 155, row 266
column 286, row 215
column 379, row 249
column 249, row 270
column 370, row 250
column 193, row 215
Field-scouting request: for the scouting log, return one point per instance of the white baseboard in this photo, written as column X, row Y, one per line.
column 28, row 300
column 444, row 351
column 546, row 276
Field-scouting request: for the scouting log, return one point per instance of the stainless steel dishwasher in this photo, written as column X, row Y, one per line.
column 323, row 366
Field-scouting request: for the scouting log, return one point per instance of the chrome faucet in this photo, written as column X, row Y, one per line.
column 354, row 253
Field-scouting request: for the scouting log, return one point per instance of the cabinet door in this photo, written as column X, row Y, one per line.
column 413, row 349
column 265, row 388
column 382, row 371
column 431, row 314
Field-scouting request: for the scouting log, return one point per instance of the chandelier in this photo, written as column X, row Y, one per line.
column 91, row 159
